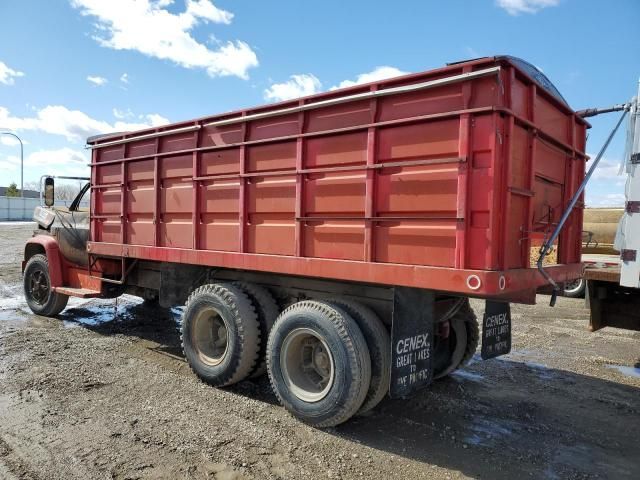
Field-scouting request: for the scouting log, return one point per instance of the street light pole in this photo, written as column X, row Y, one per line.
column 21, row 160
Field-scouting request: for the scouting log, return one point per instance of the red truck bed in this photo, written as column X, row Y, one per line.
column 440, row 180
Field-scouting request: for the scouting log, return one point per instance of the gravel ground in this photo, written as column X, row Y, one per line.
column 103, row 392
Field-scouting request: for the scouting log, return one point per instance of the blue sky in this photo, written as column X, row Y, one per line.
column 72, row 68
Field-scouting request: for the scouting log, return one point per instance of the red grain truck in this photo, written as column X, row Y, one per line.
column 333, row 240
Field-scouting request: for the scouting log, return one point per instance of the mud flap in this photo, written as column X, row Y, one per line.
column 496, row 329
column 411, row 341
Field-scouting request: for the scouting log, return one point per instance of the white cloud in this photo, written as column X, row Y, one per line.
column 9, row 140
column 74, row 125
column 516, row 7
column 308, row 84
column 124, row 78
column 63, row 161
column 145, row 26
column 606, row 169
column 99, row 81
column 8, row 74
column 122, row 114
column 605, row 199
column 378, row 73
column 297, row 86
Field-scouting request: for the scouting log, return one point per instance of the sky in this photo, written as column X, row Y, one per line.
column 74, row 68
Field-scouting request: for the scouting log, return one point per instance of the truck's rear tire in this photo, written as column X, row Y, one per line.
column 379, row 344
column 575, row 289
column 37, row 288
column 318, row 363
column 267, row 310
column 220, row 334
column 461, row 345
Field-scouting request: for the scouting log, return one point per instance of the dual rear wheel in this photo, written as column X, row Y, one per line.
column 327, row 360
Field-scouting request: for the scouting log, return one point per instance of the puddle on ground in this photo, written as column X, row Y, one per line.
column 625, row 370
column 95, row 312
column 487, row 432
column 467, row 375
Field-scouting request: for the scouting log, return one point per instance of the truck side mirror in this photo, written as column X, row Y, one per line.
column 48, row 192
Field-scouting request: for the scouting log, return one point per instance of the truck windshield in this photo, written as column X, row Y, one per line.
column 76, row 201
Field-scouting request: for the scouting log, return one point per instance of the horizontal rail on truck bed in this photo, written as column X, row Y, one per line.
column 434, row 116
column 323, row 103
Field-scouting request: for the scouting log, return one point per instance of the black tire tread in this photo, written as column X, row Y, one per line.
column 59, row 300
column 473, row 333
column 247, row 325
column 379, row 344
column 267, row 310
column 355, row 344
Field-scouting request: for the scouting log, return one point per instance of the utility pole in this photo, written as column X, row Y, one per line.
column 21, row 160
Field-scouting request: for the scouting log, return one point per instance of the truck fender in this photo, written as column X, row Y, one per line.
column 48, row 246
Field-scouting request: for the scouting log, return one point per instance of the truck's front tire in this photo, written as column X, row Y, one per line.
column 318, row 363
column 42, row 300
column 220, row 334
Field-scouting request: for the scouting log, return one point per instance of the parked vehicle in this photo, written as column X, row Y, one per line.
column 613, row 282
column 333, row 240
column 599, row 231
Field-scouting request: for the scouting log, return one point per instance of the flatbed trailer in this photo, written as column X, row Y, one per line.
column 335, row 239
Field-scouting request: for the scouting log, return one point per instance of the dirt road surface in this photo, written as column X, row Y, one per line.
column 103, row 392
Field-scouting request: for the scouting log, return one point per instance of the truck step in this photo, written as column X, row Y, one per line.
column 78, row 292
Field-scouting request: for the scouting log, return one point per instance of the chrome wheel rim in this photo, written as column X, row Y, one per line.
column 573, row 287
column 210, row 336
column 307, row 365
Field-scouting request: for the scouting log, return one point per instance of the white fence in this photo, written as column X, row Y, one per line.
column 16, row 208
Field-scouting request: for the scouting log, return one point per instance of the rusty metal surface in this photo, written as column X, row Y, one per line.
column 417, row 188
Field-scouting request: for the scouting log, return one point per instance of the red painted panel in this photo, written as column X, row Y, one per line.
column 271, row 215
column 550, row 161
column 335, row 193
column 422, row 102
column 272, row 233
column 272, row 194
column 272, row 156
column 219, row 136
column 108, row 201
column 281, row 126
column 548, row 204
column 143, row 147
column 413, row 242
column 518, row 167
column 220, row 162
column 552, row 120
column 520, row 98
column 179, row 141
column 419, row 141
column 219, row 231
column 429, row 188
column 516, row 224
column 339, row 116
column 111, row 173
column 139, row 202
column 347, row 149
column 109, row 153
column 334, row 239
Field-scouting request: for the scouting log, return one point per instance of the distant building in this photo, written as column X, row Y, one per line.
column 27, row 193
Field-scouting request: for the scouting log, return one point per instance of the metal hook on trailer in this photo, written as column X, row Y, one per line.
column 547, row 245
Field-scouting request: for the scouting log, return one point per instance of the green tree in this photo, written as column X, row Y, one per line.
column 13, row 191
